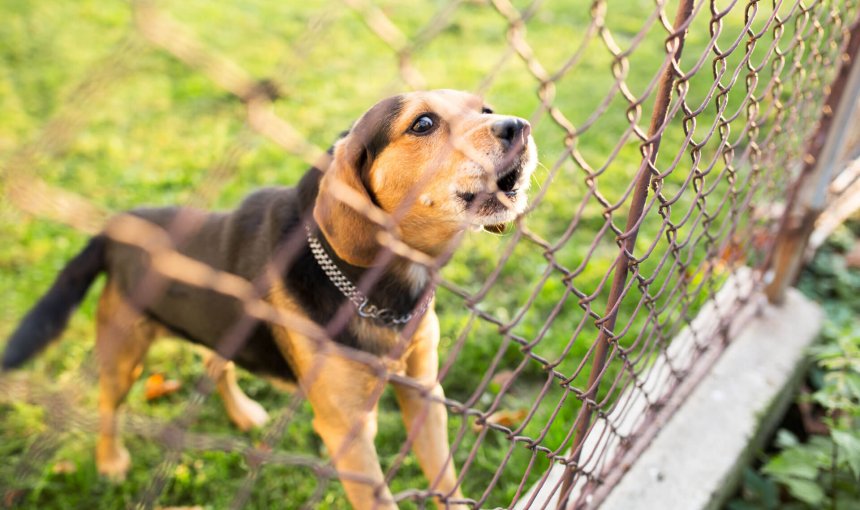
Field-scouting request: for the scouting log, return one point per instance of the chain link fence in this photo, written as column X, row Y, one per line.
column 672, row 138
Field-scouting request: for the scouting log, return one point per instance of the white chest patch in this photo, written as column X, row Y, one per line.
column 418, row 276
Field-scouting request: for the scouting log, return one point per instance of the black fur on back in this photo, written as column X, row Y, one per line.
column 45, row 321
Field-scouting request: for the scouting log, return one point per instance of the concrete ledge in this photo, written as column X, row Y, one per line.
column 696, row 460
column 635, row 413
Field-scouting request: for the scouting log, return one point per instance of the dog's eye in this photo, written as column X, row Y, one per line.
column 422, row 124
column 486, row 110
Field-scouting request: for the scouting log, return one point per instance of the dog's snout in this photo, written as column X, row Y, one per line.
column 509, row 129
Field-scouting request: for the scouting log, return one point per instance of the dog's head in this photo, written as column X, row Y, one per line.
column 436, row 161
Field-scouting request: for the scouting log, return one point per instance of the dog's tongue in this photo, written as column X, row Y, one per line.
column 496, row 229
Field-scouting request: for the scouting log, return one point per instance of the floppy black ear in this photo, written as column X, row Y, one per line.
column 349, row 232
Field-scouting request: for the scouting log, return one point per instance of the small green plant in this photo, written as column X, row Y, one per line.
column 825, row 470
column 822, row 471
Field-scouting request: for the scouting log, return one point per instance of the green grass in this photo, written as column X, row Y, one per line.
column 151, row 133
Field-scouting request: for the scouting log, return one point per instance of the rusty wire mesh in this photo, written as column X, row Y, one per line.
column 552, row 334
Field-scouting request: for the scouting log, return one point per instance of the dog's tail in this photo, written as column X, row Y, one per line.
column 45, row 321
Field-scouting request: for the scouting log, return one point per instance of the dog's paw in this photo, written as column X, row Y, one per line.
column 113, row 462
column 247, row 414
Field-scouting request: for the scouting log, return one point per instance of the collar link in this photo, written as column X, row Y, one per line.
column 362, row 304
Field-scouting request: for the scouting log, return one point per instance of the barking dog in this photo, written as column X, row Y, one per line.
column 434, row 162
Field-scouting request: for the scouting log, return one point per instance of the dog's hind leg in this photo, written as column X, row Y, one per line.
column 242, row 410
column 123, row 337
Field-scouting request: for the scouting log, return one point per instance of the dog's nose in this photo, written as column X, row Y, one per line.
column 510, row 129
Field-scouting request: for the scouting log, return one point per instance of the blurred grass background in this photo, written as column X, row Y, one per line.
column 155, row 131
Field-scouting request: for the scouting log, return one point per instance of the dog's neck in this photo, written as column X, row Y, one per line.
column 400, row 285
column 414, row 275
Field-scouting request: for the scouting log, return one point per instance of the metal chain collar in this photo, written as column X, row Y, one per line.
column 361, row 302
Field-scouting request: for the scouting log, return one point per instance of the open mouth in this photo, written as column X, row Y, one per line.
column 507, row 184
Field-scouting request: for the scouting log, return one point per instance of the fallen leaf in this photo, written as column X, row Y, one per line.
column 505, row 418
column 156, row 386
column 12, row 496
column 852, row 258
column 63, row 467
column 502, row 378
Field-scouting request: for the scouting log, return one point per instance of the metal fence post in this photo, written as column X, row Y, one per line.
column 627, row 241
column 808, row 195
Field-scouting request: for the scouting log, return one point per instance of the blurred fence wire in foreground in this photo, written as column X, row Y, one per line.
column 679, row 141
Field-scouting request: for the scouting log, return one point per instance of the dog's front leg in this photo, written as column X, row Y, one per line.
column 424, row 415
column 353, row 453
column 344, row 394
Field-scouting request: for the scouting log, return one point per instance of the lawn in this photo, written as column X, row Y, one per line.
column 143, row 128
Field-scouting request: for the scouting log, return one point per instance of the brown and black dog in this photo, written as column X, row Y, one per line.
column 437, row 162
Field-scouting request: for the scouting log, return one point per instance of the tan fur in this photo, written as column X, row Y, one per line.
column 243, row 411
column 345, row 408
column 122, row 339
